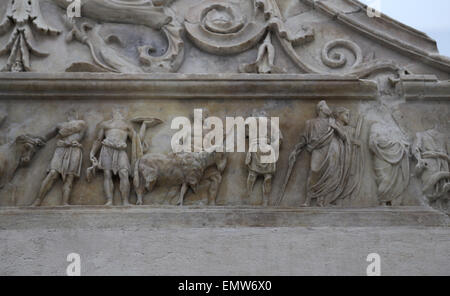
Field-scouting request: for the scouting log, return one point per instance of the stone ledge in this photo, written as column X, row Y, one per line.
column 184, row 86
column 100, row 217
column 425, row 88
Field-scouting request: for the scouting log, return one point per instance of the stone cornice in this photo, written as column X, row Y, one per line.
column 183, row 86
column 423, row 87
column 434, row 59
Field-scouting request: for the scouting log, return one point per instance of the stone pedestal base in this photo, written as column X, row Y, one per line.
column 223, row 241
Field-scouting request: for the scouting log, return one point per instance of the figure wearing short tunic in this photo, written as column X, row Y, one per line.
column 68, row 156
column 113, row 156
column 254, row 155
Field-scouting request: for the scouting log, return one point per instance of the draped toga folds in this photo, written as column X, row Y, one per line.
column 391, row 161
column 328, row 157
column 435, row 174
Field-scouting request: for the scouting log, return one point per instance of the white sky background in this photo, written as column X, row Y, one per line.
column 431, row 17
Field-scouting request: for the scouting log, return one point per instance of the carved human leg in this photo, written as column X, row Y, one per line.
column 213, row 190
column 47, row 184
column 267, row 189
column 252, row 176
column 108, row 187
column 307, row 202
column 67, row 189
column 140, row 194
column 183, row 191
column 124, row 187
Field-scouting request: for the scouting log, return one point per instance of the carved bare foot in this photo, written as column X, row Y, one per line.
column 66, row 204
column 305, row 205
column 139, row 202
column 126, row 203
column 109, row 203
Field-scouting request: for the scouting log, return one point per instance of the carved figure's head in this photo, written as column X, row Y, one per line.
column 118, row 114
column 323, row 110
column 342, row 115
column 72, row 114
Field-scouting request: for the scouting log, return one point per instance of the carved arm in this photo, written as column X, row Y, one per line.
column 97, row 144
column 342, row 134
column 51, row 134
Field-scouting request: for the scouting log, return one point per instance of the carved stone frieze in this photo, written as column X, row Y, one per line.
column 336, row 164
column 67, row 159
column 338, row 89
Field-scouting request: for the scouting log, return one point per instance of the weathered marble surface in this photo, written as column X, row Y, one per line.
column 231, row 58
column 23, row 118
column 121, row 242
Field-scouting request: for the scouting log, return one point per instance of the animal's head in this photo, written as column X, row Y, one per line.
column 193, row 182
column 27, row 146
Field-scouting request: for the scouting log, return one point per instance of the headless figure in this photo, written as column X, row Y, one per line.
column 113, row 160
column 67, row 159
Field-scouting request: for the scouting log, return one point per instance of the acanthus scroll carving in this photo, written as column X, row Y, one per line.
column 23, row 16
column 155, row 15
column 265, row 62
column 222, row 27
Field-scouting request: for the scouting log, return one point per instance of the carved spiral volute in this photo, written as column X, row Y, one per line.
column 338, row 59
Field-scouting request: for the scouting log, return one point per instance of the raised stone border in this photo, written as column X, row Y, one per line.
column 184, row 86
column 100, row 217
